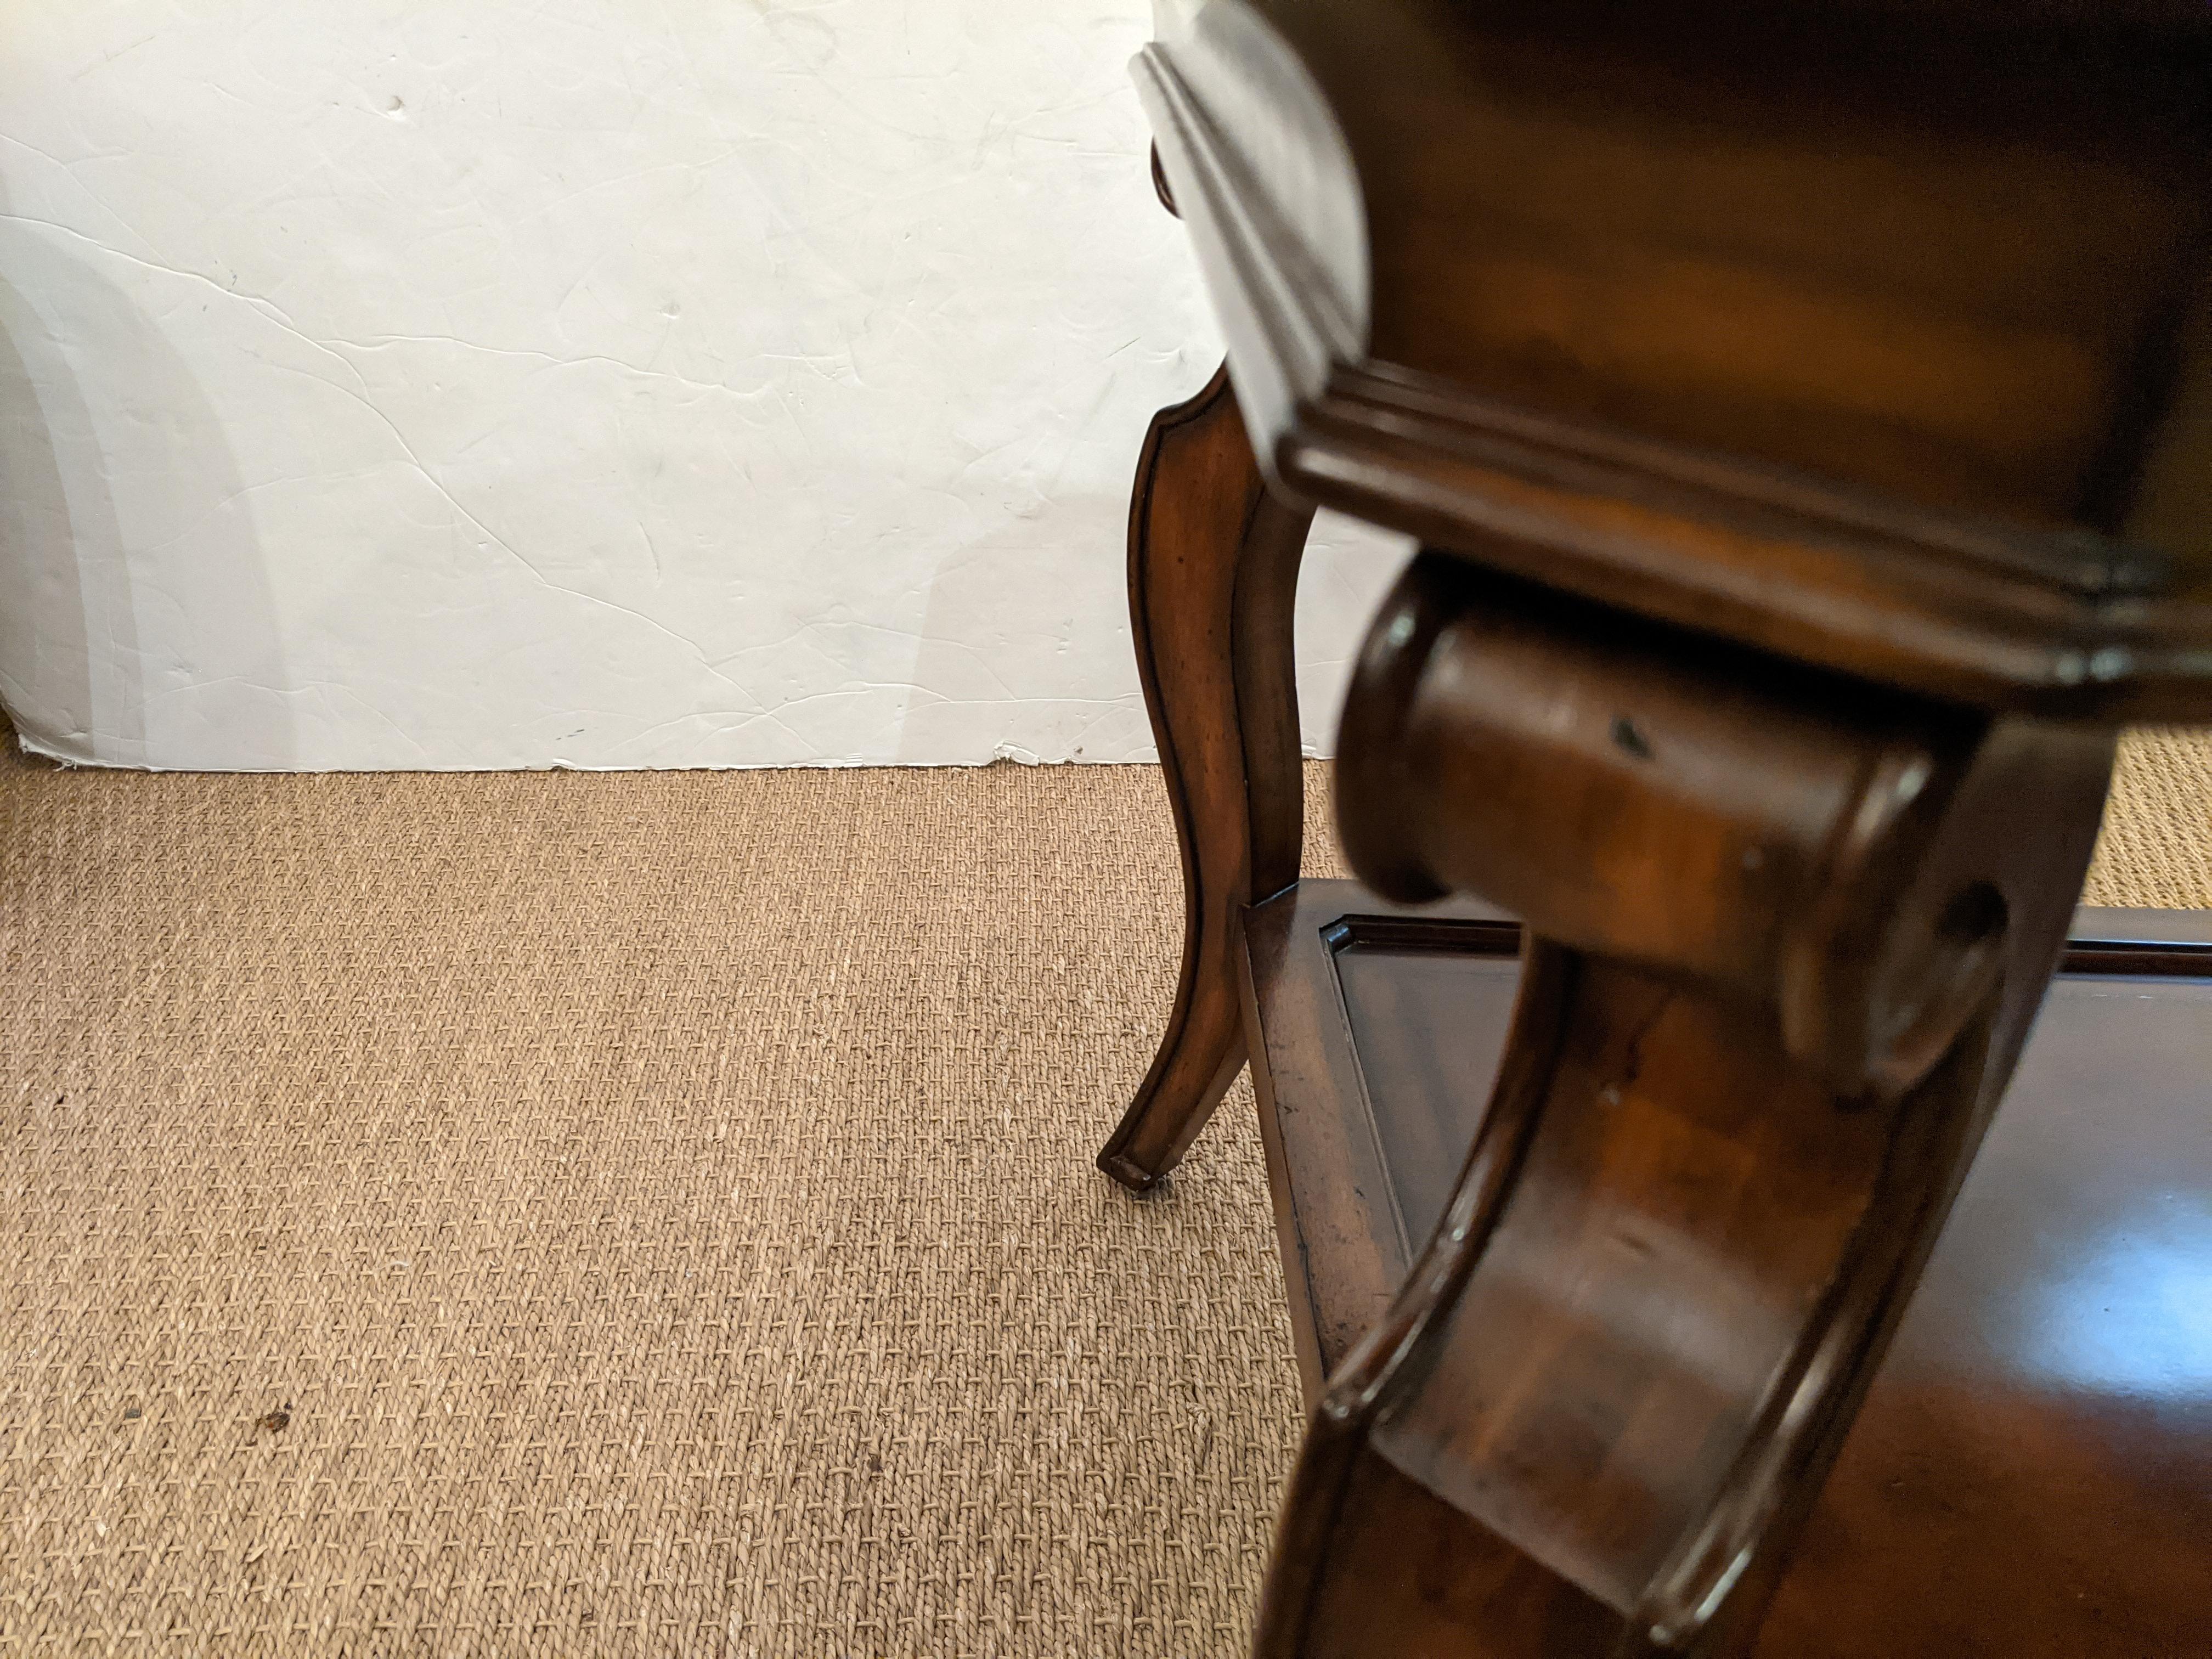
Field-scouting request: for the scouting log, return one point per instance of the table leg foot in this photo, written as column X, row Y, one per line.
column 1213, row 563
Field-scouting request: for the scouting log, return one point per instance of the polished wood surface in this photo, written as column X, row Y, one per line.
column 1807, row 418
column 1342, row 988
column 1787, row 936
column 1214, row 571
column 2031, row 1471
column 1881, row 339
column 1945, row 256
column 1855, row 858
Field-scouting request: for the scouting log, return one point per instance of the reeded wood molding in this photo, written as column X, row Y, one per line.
column 2063, row 623
column 2058, row 620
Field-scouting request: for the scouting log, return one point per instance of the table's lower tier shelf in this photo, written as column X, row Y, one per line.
column 2031, row 1471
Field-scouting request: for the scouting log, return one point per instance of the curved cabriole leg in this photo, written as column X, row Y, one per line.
column 1787, row 934
column 1213, row 565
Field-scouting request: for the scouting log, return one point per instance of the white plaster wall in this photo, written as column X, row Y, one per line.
column 603, row 383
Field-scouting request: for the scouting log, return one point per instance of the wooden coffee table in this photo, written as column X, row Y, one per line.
column 1806, row 416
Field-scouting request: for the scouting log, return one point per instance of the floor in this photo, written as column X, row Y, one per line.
column 583, row 1213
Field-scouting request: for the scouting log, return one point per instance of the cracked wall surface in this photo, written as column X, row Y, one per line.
column 602, row 383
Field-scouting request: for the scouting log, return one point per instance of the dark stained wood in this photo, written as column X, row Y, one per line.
column 1878, row 341
column 2031, row 1471
column 1214, row 564
column 1363, row 1040
column 1402, row 1552
column 1411, row 973
column 1787, row 938
column 1806, row 412
column 1955, row 605
column 1829, row 847
column 1936, row 255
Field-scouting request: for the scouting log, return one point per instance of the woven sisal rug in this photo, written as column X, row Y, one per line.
column 641, row 1213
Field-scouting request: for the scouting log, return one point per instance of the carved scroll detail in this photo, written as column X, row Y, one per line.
column 1788, row 931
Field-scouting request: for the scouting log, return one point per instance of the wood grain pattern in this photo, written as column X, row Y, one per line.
column 2031, row 1471
column 1957, row 605
column 1804, row 414
column 1346, row 1237
column 1786, row 942
column 1939, row 256
column 1863, row 343
column 1213, row 563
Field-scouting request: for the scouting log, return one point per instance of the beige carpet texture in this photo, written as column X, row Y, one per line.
column 639, row 1213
